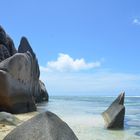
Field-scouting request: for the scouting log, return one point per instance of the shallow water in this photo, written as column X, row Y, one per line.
column 83, row 115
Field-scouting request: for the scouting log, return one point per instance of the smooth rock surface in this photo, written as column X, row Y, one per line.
column 114, row 115
column 39, row 91
column 45, row 126
column 25, row 46
column 16, row 81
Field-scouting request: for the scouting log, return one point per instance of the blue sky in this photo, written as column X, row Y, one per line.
column 83, row 46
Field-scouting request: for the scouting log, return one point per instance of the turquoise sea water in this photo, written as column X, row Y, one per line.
column 83, row 115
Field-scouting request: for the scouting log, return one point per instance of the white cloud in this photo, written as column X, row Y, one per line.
column 66, row 63
column 136, row 21
column 59, row 79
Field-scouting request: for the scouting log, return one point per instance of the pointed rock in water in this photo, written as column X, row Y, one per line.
column 45, row 126
column 114, row 115
column 137, row 133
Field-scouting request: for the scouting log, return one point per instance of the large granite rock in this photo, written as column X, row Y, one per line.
column 45, row 126
column 24, row 46
column 10, row 45
column 16, row 84
column 2, row 36
column 20, row 86
column 39, row 91
column 114, row 115
column 4, row 53
column 7, row 43
column 43, row 94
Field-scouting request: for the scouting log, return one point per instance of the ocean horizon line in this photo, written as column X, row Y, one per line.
column 78, row 95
